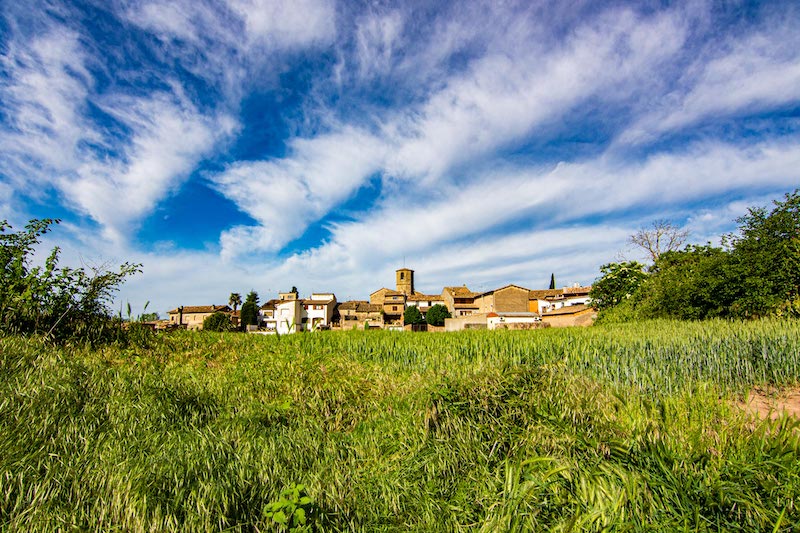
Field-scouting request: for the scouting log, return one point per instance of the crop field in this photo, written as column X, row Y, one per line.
column 612, row 428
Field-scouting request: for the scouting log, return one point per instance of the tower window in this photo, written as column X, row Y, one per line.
column 402, row 275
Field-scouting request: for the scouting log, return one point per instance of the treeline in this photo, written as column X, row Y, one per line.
column 61, row 303
column 754, row 273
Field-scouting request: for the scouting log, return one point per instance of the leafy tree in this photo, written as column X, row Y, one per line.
column 412, row 315
column 766, row 258
column 694, row 283
column 61, row 302
column 249, row 314
column 552, row 281
column 618, row 283
column 436, row 315
column 235, row 300
column 148, row 317
column 660, row 237
column 217, row 322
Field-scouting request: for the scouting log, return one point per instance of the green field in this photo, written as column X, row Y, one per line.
column 617, row 428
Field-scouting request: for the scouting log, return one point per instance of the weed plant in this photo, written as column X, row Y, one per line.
column 623, row 428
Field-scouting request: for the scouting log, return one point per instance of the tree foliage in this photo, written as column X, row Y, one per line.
column 249, row 314
column 619, row 282
column 755, row 274
column 217, row 322
column 436, row 315
column 61, row 302
column 412, row 315
column 235, row 300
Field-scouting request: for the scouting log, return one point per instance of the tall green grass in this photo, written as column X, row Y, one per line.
column 608, row 428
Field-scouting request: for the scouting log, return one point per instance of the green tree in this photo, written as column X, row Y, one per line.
column 694, row 283
column 249, row 314
column 235, row 300
column 412, row 315
column 436, row 315
column 217, row 322
column 766, row 259
column 618, row 283
column 552, row 281
column 61, row 302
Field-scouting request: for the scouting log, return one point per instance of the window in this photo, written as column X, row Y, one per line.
column 317, row 307
column 394, row 308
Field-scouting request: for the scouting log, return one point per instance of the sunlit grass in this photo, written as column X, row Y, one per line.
column 608, row 428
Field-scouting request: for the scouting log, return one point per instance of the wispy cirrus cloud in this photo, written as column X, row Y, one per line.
column 60, row 135
column 285, row 195
column 743, row 75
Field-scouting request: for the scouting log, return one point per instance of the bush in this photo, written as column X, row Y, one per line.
column 217, row 322
column 62, row 303
column 436, row 315
column 413, row 316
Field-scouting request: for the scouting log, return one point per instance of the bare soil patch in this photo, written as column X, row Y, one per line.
column 772, row 403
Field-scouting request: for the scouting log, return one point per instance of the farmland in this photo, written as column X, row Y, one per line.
column 623, row 427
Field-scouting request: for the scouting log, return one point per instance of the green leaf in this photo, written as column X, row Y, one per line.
column 279, row 517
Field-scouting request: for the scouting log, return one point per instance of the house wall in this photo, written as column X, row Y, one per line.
column 511, row 300
column 581, row 318
column 288, row 317
column 190, row 320
column 465, row 322
column 378, row 296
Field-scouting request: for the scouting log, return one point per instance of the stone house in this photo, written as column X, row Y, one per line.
column 192, row 316
column 460, row 301
column 508, row 299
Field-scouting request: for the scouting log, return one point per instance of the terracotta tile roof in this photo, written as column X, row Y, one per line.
column 573, row 291
column 461, row 292
column 189, row 309
column 372, row 308
column 568, row 310
column 544, row 294
column 503, row 287
column 419, row 297
column 315, row 302
column 393, row 293
column 379, row 290
column 270, row 304
column 351, row 305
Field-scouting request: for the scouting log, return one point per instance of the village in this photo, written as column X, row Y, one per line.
column 507, row 307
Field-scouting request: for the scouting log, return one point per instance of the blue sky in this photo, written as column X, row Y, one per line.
column 233, row 145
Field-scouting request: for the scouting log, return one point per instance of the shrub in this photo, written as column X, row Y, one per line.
column 217, row 322
column 413, row 316
column 62, row 303
column 436, row 315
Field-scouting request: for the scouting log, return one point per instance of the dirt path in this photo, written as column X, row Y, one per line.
column 765, row 403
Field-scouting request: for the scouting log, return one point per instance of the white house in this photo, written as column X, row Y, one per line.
column 292, row 315
column 317, row 312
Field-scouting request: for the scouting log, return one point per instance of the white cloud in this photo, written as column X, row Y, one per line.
column 503, row 97
column 51, row 141
column 287, row 23
column 453, row 224
column 377, row 37
column 44, row 96
column 760, row 71
column 286, row 195
column 170, row 137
